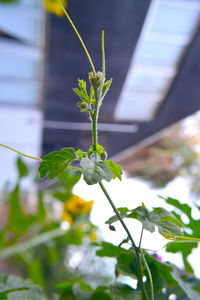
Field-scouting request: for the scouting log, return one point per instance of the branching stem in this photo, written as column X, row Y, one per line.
column 136, row 249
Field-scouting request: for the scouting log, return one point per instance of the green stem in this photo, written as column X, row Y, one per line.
column 136, row 249
column 79, row 37
column 94, row 118
column 141, row 236
column 36, row 241
column 103, row 53
column 146, row 265
column 75, row 168
column 149, row 275
column 20, row 153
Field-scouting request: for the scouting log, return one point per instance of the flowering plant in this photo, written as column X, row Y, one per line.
column 155, row 279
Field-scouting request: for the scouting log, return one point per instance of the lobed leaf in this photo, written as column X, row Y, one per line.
column 114, row 219
column 95, row 172
column 142, row 214
column 82, row 91
column 110, row 250
column 106, row 87
column 115, row 169
column 184, row 248
column 159, row 217
column 165, row 221
column 56, row 162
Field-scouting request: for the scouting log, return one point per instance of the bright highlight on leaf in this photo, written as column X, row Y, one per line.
column 56, row 162
column 53, row 6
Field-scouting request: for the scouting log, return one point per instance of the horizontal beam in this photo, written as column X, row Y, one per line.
column 83, row 126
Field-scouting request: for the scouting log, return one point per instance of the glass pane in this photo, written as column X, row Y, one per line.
column 137, row 106
column 17, row 66
column 145, row 83
column 173, row 19
column 24, row 24
column 158, row 53
column 31, row 3
column 19, row 92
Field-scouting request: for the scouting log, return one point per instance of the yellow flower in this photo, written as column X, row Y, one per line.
column 67, row 217
column 74, row 207
column 78, row 206
column 54, row 7
column 93, row 236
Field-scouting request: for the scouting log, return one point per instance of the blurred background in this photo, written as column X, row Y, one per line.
column 150, row 120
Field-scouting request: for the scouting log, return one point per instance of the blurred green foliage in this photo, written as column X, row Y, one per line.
column 31, row 239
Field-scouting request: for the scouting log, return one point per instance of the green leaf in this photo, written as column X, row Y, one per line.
column 82, row 91
column 99, row 149
column 35, row 272
column 106, row 87
column 17, row 221
column 100, row 296
column 184, row 248
column 56, row 162
column 8, row 1
column 114, row 219
column 112, row 228
column 66, row 290
column 41, row 211
column 142, row 214
column 22, row 168
column 16, row 288
column 123, row 212
column 126, row 264
column 167, row 276
column 187, row 287
column 123, row 209
column 165, row 221
column 74, row 237
column 115, row 169
column 124, row 292
column 159, row 217
column 79, row 153
column 65, row 184
column 109, row 250
column 95, row 172
column 173, row 220
column 83, row 285
column 161, row 273
column 101, row 293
